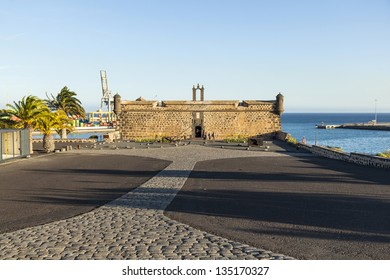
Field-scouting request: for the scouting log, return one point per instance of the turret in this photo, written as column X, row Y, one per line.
column 279, row 108
column 193, row 93
column 194, row 89
column 117, row 104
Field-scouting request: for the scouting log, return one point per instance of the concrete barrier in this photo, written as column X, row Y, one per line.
column 356, row 158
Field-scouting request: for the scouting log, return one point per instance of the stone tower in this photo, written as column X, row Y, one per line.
column 279, row 103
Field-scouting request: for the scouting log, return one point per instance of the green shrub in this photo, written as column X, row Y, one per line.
column 145, row 140
column 384, row 154
column 291, row 140
column 336, row 149
column 236, row 139
column 165, row 140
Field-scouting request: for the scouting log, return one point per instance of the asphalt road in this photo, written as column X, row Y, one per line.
column 304, row 207
column 58, row 186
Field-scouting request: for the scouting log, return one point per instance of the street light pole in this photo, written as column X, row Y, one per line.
column 376, row 115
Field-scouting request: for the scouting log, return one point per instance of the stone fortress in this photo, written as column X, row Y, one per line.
column 143, row 119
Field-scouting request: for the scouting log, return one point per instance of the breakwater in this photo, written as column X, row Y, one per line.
column 356, row 158
column 367, row 126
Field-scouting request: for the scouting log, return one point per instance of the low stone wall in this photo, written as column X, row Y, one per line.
column 370, row 160
column 357, row 158
column 67, row 140
column 327, row 152
column 282, row 135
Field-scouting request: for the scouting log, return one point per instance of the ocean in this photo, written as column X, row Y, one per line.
column 301, row 125
column 74, row 136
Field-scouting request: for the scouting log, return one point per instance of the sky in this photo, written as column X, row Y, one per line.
column 323, row 56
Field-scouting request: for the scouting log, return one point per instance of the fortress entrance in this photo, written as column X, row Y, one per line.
column 197, row 124
column 197, row 117
column 198, row 131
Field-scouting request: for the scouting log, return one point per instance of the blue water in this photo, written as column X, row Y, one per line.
column 350, row 140
column 72, row 136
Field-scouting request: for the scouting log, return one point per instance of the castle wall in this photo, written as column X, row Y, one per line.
column 177, row 119
column 241, row 123
column 155, row 124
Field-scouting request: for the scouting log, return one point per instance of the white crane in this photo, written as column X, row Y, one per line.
column 107, row 98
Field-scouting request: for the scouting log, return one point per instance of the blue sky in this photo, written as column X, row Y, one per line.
column 324, row 56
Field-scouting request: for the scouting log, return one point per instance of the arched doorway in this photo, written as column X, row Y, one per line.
column 198, row 131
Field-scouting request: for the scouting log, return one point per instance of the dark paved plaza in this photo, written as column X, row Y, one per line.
column 50, row 188
column 306, row 207
column 286, row 201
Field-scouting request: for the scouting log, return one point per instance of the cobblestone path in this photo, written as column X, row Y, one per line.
column 134, row 226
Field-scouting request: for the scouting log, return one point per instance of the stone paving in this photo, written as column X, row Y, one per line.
column 134, row 226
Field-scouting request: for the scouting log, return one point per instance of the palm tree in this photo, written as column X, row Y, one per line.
column 5, row 122
column 26, row 113
column 48, row 122
column 66, row 101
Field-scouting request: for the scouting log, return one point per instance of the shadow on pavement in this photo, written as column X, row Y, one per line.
column 60, row 186
column 335, row 210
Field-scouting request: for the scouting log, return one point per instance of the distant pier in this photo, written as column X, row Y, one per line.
column 327, row 126
column 366, row 126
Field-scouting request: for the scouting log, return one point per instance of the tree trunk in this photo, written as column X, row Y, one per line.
column 48, row 143
column 64, row 134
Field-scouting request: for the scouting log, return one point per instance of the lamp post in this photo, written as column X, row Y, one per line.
column 376, row 115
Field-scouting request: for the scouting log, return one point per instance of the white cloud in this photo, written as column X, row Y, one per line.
column 10, row 37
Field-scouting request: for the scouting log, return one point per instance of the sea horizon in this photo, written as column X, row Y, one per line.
column 301, row 125
column 346, row 113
